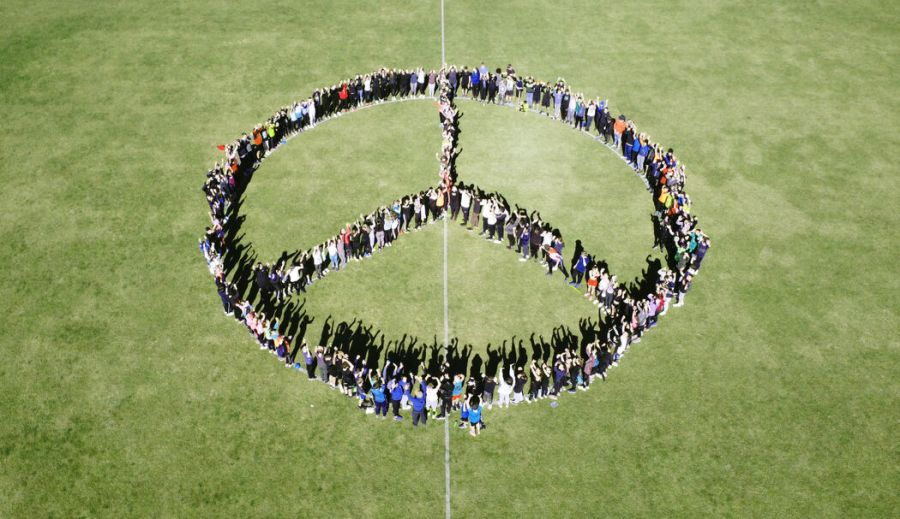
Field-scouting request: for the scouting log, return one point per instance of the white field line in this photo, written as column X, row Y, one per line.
column 446, row 319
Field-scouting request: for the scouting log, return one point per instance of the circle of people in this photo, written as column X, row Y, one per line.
column 445, row 384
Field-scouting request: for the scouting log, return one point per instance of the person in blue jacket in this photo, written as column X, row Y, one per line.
column 579, row 269
column 417, row 399
column 396, row 395
column 380, row 400
column 464, row 415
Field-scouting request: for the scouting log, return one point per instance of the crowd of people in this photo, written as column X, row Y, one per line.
column 399, row 376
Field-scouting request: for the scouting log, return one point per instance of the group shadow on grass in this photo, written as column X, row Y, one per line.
column 359, row 359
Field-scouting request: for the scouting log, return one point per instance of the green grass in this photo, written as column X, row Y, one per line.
column 493, row 296
column 351, row 165
column 772, row 392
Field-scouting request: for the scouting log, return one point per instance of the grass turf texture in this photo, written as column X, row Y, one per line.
column 773, row 391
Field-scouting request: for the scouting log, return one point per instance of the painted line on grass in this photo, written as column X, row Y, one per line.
column 446, row 342
column 443, row 52
column 446, row 318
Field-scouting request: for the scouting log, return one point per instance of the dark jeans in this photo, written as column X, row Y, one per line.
column 381, row 408
column 418, row 415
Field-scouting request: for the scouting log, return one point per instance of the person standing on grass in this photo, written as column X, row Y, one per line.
column 505, row 389
column 578, row 271
column 519, row 386
column 406, row 386
column 475, row 423
column 378, row 396
column 524, row 239
column 321, row 365
column 533, row 244
column 590, row 116
column 512, row 228
column 592, row 282
column 618, row 130
column 546, row 376
column 309, row 362
column 445, row 393
column 432, row 401
column 422, row 79
column 546, row 99
column 628, row 142
column 557, row 103
column 417, row 399
column 488, row 394
column 396, row 389
column 464, row 80
column 534, row 391
column 432, row 81
column 456, row 397
column 333, row 255
column 555, row 260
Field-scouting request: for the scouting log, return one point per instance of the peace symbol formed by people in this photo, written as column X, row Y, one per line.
column 434, row 380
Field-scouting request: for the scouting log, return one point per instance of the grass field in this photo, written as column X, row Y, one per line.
column 774, row 391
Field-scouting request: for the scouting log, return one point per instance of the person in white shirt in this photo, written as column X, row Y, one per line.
column 465, row 202
column 432, row 404
column 487, row 213
column 317, row 261
column 294, row 277
column 333, row 255
column 546, row 242
column 505, row 389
